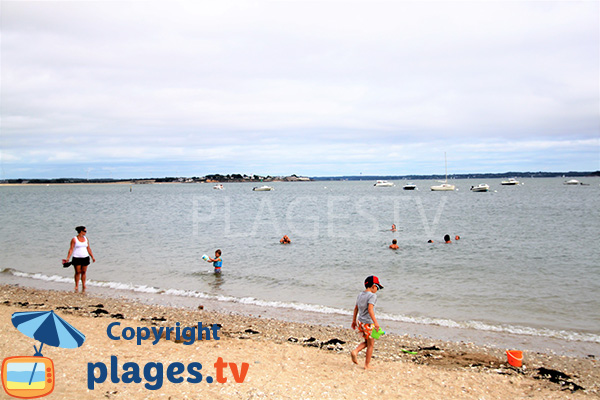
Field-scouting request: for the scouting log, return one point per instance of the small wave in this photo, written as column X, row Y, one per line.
column 448, row 323
column 38, row 276
column 8, row 271
column 482, row 326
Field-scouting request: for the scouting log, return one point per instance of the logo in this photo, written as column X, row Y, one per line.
column 31, row 377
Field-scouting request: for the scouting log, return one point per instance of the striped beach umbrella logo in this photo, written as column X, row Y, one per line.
column 48, row 328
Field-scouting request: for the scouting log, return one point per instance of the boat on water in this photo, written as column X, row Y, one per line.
column 510, row 182
column 571, row 182
column 263, row 188
column 383, row 184
column 445, row 186
column 218, row 187
column 482, row 187
column 409, row 186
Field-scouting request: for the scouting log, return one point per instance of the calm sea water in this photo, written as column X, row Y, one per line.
column 528, row 261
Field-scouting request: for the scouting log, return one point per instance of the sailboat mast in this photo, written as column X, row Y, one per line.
column 446, row 165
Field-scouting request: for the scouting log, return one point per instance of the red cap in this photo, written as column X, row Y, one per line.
column 372, row 280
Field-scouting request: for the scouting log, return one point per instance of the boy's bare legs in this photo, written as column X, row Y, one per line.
column 370, row 344
column 358, row 349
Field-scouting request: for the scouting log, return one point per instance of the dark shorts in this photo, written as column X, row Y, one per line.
column 84, row 261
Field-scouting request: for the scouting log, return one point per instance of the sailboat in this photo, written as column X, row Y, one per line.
column 445, row 186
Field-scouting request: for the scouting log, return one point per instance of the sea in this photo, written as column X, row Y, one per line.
column 523, row 268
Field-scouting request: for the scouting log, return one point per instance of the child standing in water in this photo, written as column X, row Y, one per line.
column 217, row 262
column 364, row 312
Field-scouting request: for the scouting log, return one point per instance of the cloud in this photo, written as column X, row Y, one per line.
column 307, row 84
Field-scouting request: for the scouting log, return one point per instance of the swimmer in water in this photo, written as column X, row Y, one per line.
column 285, row 240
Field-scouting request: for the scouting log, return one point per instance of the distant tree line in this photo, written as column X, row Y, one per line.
column 63, row 180
column 258, row 178
column 538, row 174
column 237, row 178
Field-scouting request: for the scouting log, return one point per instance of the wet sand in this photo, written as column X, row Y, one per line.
column 284, row 359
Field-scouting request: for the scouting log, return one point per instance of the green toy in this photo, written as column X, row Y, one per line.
column 377, row 334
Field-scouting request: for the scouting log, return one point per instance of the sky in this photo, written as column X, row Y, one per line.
column 133, row 89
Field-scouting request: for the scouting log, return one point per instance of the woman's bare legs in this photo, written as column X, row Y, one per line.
column 80, row 274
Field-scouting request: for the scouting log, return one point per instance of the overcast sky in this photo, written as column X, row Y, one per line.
column 321, row 88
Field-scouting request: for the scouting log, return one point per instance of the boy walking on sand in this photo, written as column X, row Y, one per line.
column 364, row 312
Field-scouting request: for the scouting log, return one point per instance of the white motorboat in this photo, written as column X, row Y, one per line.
column 383, row 184
column 510, row 182
column 445, row 186
column 571, row 182
column 263, row 188
column 482, row 187
column 409, row 186
column 218, row 187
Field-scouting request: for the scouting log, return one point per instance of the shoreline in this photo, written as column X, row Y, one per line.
column 489, row 338
column 68, row 184
column 280, row 345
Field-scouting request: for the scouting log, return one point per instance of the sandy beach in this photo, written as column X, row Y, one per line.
column 281, row 360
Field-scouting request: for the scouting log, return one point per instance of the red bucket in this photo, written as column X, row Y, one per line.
column 515, row 357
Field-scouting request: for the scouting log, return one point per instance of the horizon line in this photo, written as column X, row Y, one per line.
column 318, row 177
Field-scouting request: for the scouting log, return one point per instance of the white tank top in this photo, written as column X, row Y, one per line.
column 81, row 250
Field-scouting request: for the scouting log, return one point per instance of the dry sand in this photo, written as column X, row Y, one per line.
column 285, row 360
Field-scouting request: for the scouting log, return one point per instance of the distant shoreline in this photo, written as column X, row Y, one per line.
column 67, row 183
column 115, row 183
column 236, row 178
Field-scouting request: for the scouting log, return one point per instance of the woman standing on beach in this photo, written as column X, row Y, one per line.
column 81, row 251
